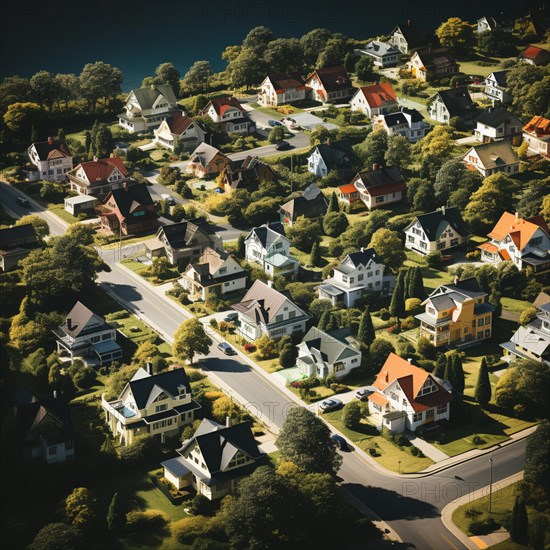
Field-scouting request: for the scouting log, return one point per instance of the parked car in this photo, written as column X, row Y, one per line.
column 289, row 122
column 226, row 348
column 282, row 146
column 363, row 394
column 231, row 317
column 331, row 404
column 340, row 442
column 169, row 199
column 22, row 202
column 274, row 123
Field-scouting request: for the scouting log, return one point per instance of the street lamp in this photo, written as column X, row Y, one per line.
column 491, row 479
column 399, row 466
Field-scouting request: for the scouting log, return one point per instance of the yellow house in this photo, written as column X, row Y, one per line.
column 456, row 314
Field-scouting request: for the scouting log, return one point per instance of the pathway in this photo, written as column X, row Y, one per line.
column 427, row 448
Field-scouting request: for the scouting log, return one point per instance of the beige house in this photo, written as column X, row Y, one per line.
column 330, row 84
column 179, row 131
column 52, row 158
column 206, row 160
column 537, row 135
column 431, row 64
column 280, row 88
column 490, row 158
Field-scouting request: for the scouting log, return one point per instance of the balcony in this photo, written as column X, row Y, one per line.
column 123, row 414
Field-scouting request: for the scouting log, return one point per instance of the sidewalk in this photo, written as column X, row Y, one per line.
column 428, row 449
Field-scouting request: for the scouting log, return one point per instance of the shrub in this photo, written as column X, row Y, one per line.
column 413, row 305
column 409, row 322
column 339, row 388
column 483, row 527
column 119, row 315
column 195, row 375
column 249, row 348
column 187, row 529
column 351, row 416
column 373, row 451
column 435, row 260
column 475, row 255
column 384, row 314
column 201, row 506
column 136, row 520
column 425, row 348
column 472, row 513
column 477, row 440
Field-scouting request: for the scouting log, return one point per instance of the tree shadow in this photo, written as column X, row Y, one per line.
column 216, row 364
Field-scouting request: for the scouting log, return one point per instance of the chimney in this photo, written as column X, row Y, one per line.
column 70, row 324
column 95, row 159
column 125, row 186
column 149, row 367
column 55, row 394
column 517, row 216
column 270, row 284
column 228, row 421
column 152, row 86
column 362, row 249
column 50, row 140
column 386, row 376
column 409, row 359
column 456, row 280
column 443, row 210
column 327, row 141
column 409, row 23
column 374, row 167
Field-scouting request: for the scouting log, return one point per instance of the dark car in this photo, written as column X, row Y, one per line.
column 282, row 146
column 23, row 202
column 331, row 404
column 226, row 348
column 340, row 442
column 274, row 123
column 363, row 394
column 230, row 317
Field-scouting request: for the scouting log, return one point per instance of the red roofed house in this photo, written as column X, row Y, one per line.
column 537, row 134
column 52, row 158
column 407, row 397
column 229, row 114
column 331, row 84
column 377, row 187
column 179, row 132
column 535, row 56
column 524, row 242
column 377, row 99
column 349, row 194
column 280, row 88
column 98, row 177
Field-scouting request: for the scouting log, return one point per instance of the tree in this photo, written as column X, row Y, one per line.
column 495, row 301
column 258, row 38
column 44, row 87
column 88, row 142
column 335, row 223
column 537, row 457
column 545, row 208
column 14, row 89
column 434, row 149
column 333, row 53
column 312, row 43
column 424, row 199
column 483, row 385
column 103, row 143
column 196, row 79
column 287, row 356
column 416, row 284
column 315, row 256
column 79, row 507
column 166, row 73
column 349, row 62
column 365, row 332
column 116, row 518
column 527, row 315
column 458, row 375
column 378, row 353
column 333, row 205
column 303, row 233
column 538, row 532
column 276, row 134
column 451, row 172
column 373, row 149
column 284, row 54
column 82, row 233
column 351, row 415
column 67, row 87
column 455, row 34
column 40, row 224
column 364, row 68
column 440, row 366
column 494, row 41
column 266, row 347
column 241, row 246
column 321, row 135
column 20, row 117
column 190, row 339
column 318, row 307
column 56, row 536
column 246, row 70
column 99, row 80
column 398, row 152
column 388, row 247
column 397, row 303
column 519, row 522
column 305, row 440
column 327, row 322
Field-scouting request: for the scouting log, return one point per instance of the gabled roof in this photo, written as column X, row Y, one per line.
column 209, row 262
column 311, row 204
column 98, row 170
column 268, row 233
column 534, row 53
column 539, row 126
column 51, row 149
column 147, row 96
column 332, row 78
column 404, row 116
column 457, row 100
column 248, row 173
column 12, row 236
column 521, row 231
column 143, row 384
column 285, row 81
column 434, row 59
column 78, row 318
column 500, row 77
column 179, row 123
column 222, row 104
column 130, row 198
column 459, row 291
column 434, row 223
column 379, row 49
column 411, row 33
column 495, row 154
column 204, row 154
column 363, row 257
column 378, row 94
column 494, row 117
column 326, row 348
column 380, row 181
column 181, row 234
column 335, row 153
column 497, row 21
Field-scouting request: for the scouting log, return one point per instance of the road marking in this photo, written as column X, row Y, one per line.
column 427, row 541
column 450, row 543
column 478, row 542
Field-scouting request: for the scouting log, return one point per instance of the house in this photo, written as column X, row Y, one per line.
column 206, row 160
column 52, row 158
column 330, row 84
column 384, row 54
column 179, row 132
column 496, row 87
column 128, row 210
column 266, row 311
column 456, row 314
column 98, row 177
column 247, row 174
column 184, row 242
column 215, row 459
column 435, row 231
column 331, row 155
column 358, row 273
column 81, row 204
column 44, row 428
column 408, row 123
column 320, row 354
column 407, row 396
column 535, row 56
column 379, row 186
column 377, row 99
column 146, row 108
column 214, row 274
column 495, row 23
column 280, row 88
column 268, row 246
column 16, row 243
column 496, row 123
column 154, row 404
column 537, row 135
column 448, row 104
column 311, row 204
column 432, row 64
column 524, row 242
column 86, row 335
column 229, row 114
column 349, row 194
column 491, row 158
column 532, row 341
column 406, row 37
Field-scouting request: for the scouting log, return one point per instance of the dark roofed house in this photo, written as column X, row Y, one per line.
column 408, row 123
column 432, row 63
column 247, row 173
column 52, row 158
column 16, row 243
column 496, row 123
column 279, row 88
column 206, row 160
column 311, row 204
column 215, row 459
column 498, row 22
column 330, row 84
column 447, row 104
column 380, row 186
column 407, row 37
column 332, row 155
column 496, row 87
column 535, row 56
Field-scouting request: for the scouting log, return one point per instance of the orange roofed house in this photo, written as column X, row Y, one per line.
column 407, row 397
column 98, row 177
column 537, row 134
column 535, row 56
column 377, row 99
column 524, row 242
column 280, row 88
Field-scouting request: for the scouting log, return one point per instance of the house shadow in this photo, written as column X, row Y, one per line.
column 217, row 364
column 127, row 292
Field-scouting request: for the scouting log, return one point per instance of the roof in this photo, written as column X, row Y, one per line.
column 311, row 204
column 80, row 199
column 495, row 117
column 412, row 34
column 378, row 94
column 404, row 116
column 209, row 262
column 98, row 170
column 268, row 233
column 181, row 234
column 539, row 126
column 497, row 21
column 500, row 77
column 335, row 153
column 535, row 53
column 347, row 189
column 147, row 95
column 143, row 384
column 363, row 257
column 457, row 100
column 285, row 81
column 495, row 154
column 128, row 199
column 204, row 154
column 380, row 181
column 458, row 292
column 379, row 49
column 325, row 348
column 378, row 398
column 521, row 231
column 332, row 78
column 531, row 338
column 434, row 59
column 222, row 104
column 78, row 318
column 179, row 123
column 51, row 149
column 542, row 299
column 434, row 223
column 247, row 173
column 14, row 235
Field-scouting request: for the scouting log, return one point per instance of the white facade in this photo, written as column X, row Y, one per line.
column 360, row 103
column 416, row 239
column 316, row 165
column 411, row 130
column 52, row 169
column 486, row 133
column 493, row 90
column 274, row 256
column 190, row 138
column 384, row 54
column 472, row 158
column 269, row 96
column 398, row 40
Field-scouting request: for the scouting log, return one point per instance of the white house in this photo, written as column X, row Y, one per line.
column 268, row 246
column 330, row 84
column 406, row 37
column 215, row 459
column 447, row 104
column 215, row 273
column 179, row 130
column 407, row 396
column 384, row 54
column 264, row 310
column 52, row 158
column 98, row 177
column 440, row 230
column 147, row 107
column 280, row 88
column 332, row 155
column 495, row 23
column 537, row 135
column 491, row 158
column 374, row 100
column 408, row 123
column 495, row 123
column 358, row 273
column 80, row 203
column 154, row 404
column 230, row 115
column 321, row 354
column 496, row 88
column 524, row 242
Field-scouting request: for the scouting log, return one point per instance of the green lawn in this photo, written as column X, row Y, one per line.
column 138, row 267
column 516, row 306
column 113, row 241
column 59, row 210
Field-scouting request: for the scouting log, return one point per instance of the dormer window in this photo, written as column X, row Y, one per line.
column 181, row 390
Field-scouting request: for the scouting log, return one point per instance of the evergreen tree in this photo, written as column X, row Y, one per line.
column 333, row 205
column 287, row 356
column 397, row 304
column 332, row 323
column 103, row 141
column 35, row 136
column 449, row 373
column 495, row 300
column 88, row 141
column 365, row 333
column 416, row 284
column 519, row 522
column 116, row 518
column 458, row 375
column 483, row 385
column 93, row 137
column 407, row 283
column 241, row 247
column 440, row 366
column 538, row 532
column 323, row 321
column 60, row 133
column 315, row 256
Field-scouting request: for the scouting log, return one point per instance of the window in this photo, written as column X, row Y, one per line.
column 487, row 332
column 480, row 322
column 292, row 314
column 69, row 445
column 377, row 407
column 352, row 280
column 488, row 320
column 278, row 318
column 52, row 450
column 394, row 396
column 379, row 200
column 442, row 409
column 160, row 408
column 223, row 270
column 431, row 311
column 360, row 277
column 480, row 335
column 417, row 417
column 94, row 339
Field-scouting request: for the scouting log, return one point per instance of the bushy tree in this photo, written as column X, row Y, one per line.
column 440, row 366
column 398, row 152
column 166, row 73
column 334, row 52
column 397, row 303
column 537, row 457
column 79, row 507
column 116, row 517
column 335, row 223
column 351, row 415
column 40, row 224
column 191, row 338
column 378, row 353
column 455, row 34
column 99, row 80
column 197, row 77
column 373, row 149
column 519, row 522
column 312, row 43
column 364, row 68
column 276, row 134
column 483, row 385
column 315, row 256
column 56, row 536
column 366, row 333
column 303, row 233
column 388, row 247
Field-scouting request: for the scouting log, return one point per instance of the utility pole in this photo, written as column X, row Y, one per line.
column 491, row 479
